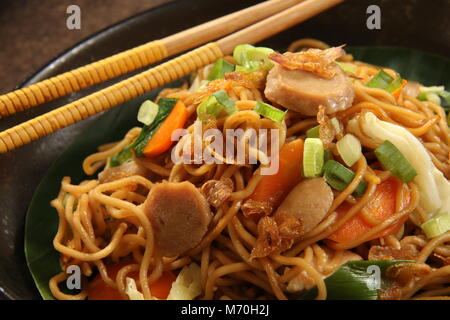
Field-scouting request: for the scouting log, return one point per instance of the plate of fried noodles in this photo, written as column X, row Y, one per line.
column 304, row 171
column 296, row 174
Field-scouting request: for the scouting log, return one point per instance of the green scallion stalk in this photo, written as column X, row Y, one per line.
column 430, row 96
column 269, row 111
column 313, row 155
column 219, row 69
column 239, row 52
column 327, row 155
column 394, row 161
column 209, row 108
column 383, row 80
column 228, row 103
column 446, row 96
column 394, row 85
column 339, row 177
column 437, row 225
column 380, row 80
column 215, row 104
column 349, row 149
column 313, row 132
column 250, row 58
column 147, row 112
column 346, row 67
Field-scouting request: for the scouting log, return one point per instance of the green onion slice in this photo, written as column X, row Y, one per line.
column 269, row 111
column 346, row 67
column 383, row 80
column 380, row 80
column 147, row 112
column 215, row 104
column 394, row 161
column 219, row 69
column 349, row 149
column 446, row 96
column 394, row 85
column 313, row 132
column 209, row 108
column 327, row 155
column 249, row 67
column 228, row 103
column 339, row 177
column 252, row 58
column 313, row 155
column 430, row 96
column 437, row 225
column 239, row 52
column 435, row 94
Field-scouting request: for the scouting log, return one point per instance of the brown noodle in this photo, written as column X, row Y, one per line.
column 102, row 223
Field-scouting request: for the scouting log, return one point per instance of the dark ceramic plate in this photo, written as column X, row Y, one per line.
column 410, row 23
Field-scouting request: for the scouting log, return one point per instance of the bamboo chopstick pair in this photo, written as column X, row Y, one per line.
column 282, row 14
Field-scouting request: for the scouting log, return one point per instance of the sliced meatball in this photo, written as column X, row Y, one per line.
column 179, row 214
column 309, row 202
column 125, row 170
column 304, row 91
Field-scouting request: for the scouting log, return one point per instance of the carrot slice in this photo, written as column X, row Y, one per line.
column 381, row 207
column 162, row 139
column 272, row 189
column 100, row 290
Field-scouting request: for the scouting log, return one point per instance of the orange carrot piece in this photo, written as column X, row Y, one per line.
column 100, row 290
column 397, row 92
column 162, row 139
column 381, row 207
column 272, row 189
column 161, row 287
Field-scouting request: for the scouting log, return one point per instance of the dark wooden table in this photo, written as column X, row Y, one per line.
column 34, row 32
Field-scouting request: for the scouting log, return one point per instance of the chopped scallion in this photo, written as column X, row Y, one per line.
column 383, row 80
column 209, row 108
column 228, row 103
column 313, row 132
column 313, row 155
column 380, row 80
column 327, row 155
column 219, row 69
column 394, row 161
column 349, row 149
column 437, row 225
column 269, row 111
column 339, row 177
column 213, row 106
column 346, row 67
column 147, row 112
column 250, row 58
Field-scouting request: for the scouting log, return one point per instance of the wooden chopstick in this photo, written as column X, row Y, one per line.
column 136, row 58
column 156, row 77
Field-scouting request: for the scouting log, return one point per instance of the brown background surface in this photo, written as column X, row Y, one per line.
column 32, row 32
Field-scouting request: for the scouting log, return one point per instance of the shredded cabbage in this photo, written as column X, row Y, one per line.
column 188, row 284
column 433, row 186
column 132, row 291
